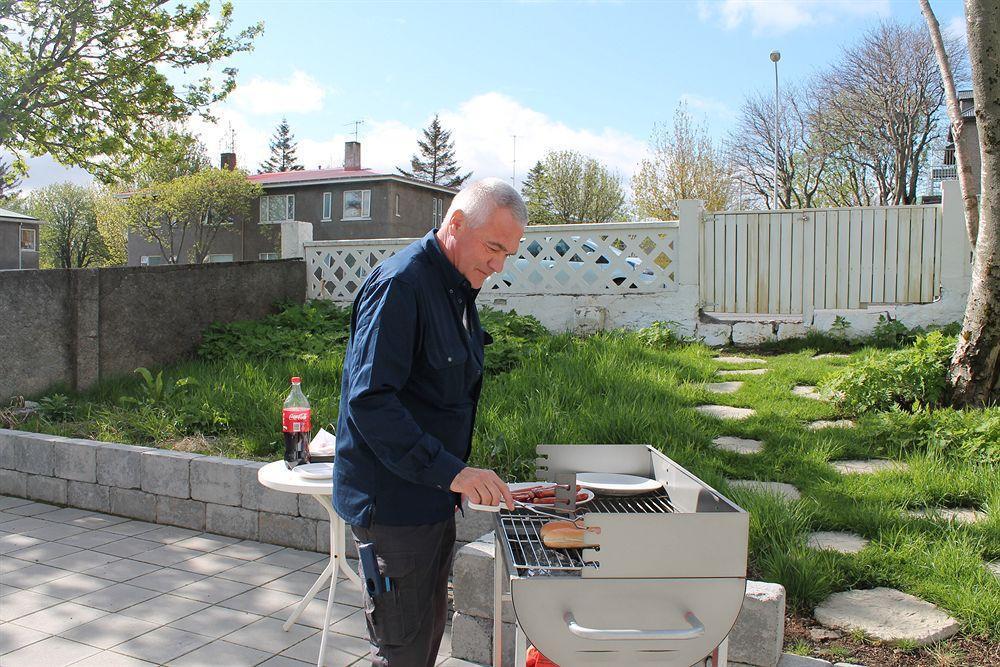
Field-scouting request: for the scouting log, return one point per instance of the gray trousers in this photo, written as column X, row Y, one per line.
column 405, row 625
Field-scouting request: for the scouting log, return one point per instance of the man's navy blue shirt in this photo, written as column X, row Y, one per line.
column 412, row 377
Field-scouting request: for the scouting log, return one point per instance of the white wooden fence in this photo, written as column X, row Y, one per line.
column 616, row 258
column 792, row 262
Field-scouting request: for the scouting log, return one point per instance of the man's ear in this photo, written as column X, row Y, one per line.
column 457, row 221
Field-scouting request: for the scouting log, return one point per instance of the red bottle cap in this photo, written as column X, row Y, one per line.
column 296, row 380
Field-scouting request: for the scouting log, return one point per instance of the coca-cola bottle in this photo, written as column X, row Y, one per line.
column 296, row 425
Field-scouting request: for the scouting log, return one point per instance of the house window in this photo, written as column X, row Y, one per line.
column 277, row 208
column 397, row 206
column 267, row 255
column 219, row 258
column 29, row 239
column 357, row 204
column 327, row 205
column 438, row 213
column 151, row 260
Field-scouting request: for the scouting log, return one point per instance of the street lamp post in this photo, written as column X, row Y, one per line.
column 775, row 57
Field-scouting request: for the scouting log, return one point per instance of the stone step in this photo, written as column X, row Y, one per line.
column 793, row 660
column 955, row 514
column 722, row 387
column 786, row 491
column 866, row 466
column 741, row 360
column 808, row 391
column 747, row 371
column 994, row 567
column 828, row 423
column 832, row 355
column 725, row 411
column 845, row 543
column 738, row 445
column 886, row 614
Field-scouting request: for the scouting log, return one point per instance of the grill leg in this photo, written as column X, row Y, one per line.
column 520, row 647
column 498, row 571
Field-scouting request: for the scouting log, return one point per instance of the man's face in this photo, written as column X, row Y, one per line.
column 480, row 252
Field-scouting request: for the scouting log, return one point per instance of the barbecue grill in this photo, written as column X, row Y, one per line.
column 662, row 583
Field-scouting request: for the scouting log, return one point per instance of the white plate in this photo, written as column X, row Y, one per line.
column 517, row 486
column 613, row 484
column 314, row 470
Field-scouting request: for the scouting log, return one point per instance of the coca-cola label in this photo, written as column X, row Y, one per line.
column 296, row 420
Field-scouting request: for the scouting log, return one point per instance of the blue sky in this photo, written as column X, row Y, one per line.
column 589, row 76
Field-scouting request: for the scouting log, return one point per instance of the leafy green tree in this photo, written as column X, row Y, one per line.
column 189, row 211
column 577, row 188
column 533, row 191
column 10, row 181
column 283, row 146
column 174, row 152
column 436, row 160
column 69, row 236
column 85, row 80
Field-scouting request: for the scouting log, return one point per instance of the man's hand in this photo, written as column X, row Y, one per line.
column 483, row 487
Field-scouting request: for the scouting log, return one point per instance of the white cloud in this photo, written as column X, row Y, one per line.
column 955, row 28
column 482, row 128
column 301, row 93
column 708, row 106
column 775, row 17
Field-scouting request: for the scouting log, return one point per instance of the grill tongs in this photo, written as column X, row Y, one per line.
column 565, row 501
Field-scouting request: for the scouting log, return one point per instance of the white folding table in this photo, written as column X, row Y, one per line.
column 277, row 476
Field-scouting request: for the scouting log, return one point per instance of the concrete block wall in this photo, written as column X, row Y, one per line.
column 754, row 641
column 208, row 493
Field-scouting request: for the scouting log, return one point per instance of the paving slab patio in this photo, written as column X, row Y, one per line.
column 86, row 588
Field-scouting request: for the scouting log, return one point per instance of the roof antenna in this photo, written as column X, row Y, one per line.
column 357, row 124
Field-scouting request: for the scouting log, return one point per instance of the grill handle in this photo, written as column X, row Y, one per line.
column 696, row 630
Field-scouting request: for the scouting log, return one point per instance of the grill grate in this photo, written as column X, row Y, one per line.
column 522, row 540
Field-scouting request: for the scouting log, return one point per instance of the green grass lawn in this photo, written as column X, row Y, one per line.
column 642, row 388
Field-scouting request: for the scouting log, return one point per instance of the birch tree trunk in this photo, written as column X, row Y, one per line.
column 975, row 367
column 957, row 123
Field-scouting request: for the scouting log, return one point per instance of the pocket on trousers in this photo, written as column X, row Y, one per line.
column 395, row 615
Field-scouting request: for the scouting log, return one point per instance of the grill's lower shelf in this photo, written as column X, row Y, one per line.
column 576, row 621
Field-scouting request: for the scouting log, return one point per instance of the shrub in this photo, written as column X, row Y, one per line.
column 907, row 378
column 514, row 338
column 56, row 408
column 965, row 435
column 298, row 331
column 658, row 335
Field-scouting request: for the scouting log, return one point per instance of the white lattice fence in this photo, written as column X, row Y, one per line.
column 614, row 258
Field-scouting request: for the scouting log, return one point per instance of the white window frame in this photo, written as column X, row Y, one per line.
column 219, row 258
column 33, row 247
column 148, row 260
column 265, row 205
column 397, row 205
column 327, row 207
column 438, row 212
column 267, row 256
column 366, row 205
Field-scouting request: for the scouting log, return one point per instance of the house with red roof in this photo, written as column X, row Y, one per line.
column 346, row 203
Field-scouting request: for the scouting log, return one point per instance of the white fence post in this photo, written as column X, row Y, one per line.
column 688, row 252
column 293, row 235
column 956, row 251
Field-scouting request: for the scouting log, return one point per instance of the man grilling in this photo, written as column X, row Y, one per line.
column 412, row 377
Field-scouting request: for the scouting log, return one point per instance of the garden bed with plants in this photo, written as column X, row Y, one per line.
column 642, row 387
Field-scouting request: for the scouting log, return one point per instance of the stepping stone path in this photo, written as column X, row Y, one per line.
column 832, row 355
column 956, row 514
column 722, row 387
column 821, row 634
column 749, row 371
column 886, row 614
column 795, row 660
column 845, row 543
column 786, row 491
column 725, row 411
column 808, row 391
column 865, row 467
column 740, row 360
column 994, row 567
column 823, row 423
column 738, row 445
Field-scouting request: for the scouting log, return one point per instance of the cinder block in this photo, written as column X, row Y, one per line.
column 256, row 496
column 180, row 512
column 13, row 483
column 120, row 466
column 46, row 489
column 76, row 459
column 167, row 473
column 323, row 539
column 27, row 452
column 473, row 525
column 759, row 633
column 231, row 521
column 216, row 480
column 311, row 508
column 133, row 504
column 288, row 531
column 472, row 640
column 752, row 333
column 88, row 496
column 473, row 580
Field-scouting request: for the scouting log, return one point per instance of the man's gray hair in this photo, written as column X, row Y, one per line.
column 481, row 198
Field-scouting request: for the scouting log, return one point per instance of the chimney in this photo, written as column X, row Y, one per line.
column 228, row 161
column 352, row 155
